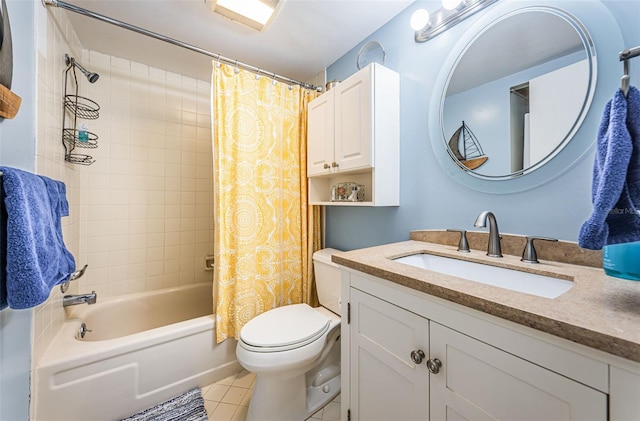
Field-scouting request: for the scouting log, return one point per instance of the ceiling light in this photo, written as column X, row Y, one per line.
column 452, row 13
column 252, row 13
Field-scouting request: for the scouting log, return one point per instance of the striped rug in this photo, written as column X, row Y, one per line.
column 186, row 407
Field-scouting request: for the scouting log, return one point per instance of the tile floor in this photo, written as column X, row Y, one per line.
column 228, row 400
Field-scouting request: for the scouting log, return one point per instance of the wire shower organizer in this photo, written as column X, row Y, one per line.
column 80, row 108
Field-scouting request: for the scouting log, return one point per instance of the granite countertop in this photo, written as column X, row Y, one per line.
column 599, row 311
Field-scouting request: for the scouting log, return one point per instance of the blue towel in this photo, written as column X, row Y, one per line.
column 36, row 257
column 3, row 251
column 616, row 176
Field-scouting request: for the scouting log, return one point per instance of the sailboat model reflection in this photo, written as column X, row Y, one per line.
column 465, row 147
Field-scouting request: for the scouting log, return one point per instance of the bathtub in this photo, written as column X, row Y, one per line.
column 144, row 348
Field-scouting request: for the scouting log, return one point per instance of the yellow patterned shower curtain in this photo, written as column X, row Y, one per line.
column 265, row 231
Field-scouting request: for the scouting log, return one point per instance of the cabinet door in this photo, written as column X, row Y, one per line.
column 480, row 382
column 320, row 138
column 385, row 383
column 353, row 121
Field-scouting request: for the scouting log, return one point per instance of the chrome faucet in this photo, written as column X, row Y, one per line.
column 493, row 248
column 72, row 300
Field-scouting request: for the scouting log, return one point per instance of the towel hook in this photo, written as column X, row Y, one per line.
column 625, row 78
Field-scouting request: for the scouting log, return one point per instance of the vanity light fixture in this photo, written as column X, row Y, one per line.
column 451, row 13
column 453, row 4
column 420, row 20
column 255, row 14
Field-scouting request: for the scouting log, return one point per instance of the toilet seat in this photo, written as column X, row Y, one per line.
column 284, row 328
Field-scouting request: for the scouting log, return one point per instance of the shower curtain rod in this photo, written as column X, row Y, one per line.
column 173, row 41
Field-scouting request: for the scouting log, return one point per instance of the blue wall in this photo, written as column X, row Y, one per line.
column 552, row 201
column 17, row 149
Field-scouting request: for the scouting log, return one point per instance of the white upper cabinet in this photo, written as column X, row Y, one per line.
column 354, row 121
column 320, row 145
column 354, row 137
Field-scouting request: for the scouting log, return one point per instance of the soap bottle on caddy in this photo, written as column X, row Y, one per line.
column 622, row 260
column 83, row 133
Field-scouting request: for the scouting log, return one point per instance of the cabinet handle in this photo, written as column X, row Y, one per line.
column 326, row 166
column 417, row 356
column 334, row 164
column 434, row 365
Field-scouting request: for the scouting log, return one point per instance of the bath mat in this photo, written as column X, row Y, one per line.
column 186, row 407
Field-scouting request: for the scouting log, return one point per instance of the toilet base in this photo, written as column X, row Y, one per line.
column 297, row 394
column 287, row 399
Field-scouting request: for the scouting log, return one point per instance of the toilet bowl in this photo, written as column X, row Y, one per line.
column 295, row 352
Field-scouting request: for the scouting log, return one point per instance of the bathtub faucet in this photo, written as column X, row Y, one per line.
column 72, row 300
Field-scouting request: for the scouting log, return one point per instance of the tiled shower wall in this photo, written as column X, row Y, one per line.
column 146, row 203
column 55, row 39
column 141, row 215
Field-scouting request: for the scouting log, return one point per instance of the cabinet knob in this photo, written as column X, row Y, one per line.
column 417, row 356
column 326, row 166
column 334, row 164
column 434, row 365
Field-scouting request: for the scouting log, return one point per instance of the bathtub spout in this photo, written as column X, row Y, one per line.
column 72, row 300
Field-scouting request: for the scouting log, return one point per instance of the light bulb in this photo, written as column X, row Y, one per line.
column 452, row 4
column 419, row 19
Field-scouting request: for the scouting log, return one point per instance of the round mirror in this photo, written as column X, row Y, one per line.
column 517, row 93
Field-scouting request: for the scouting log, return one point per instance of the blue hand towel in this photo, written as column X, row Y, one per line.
column 36, row 257
column 3, row 251
column 616, row 176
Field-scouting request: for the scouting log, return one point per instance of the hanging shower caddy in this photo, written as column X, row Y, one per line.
column 80, row 108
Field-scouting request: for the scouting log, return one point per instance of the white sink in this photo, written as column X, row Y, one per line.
column 515, row 280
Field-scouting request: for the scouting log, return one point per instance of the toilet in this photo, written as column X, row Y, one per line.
column 295, row 351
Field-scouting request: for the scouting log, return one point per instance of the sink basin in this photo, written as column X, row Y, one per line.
column 514, row 280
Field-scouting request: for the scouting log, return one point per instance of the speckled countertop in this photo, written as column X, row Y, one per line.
column 599, row 311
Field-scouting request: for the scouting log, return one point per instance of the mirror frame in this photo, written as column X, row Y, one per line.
column 570, row 149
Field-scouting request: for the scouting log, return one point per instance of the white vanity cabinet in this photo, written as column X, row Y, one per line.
column 353, row 136
column 389, row 385
column 410, row 356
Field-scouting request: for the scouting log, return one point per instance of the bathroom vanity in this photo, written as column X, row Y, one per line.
column 419, row 345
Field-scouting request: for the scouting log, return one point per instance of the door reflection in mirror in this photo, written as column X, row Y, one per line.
column 523, row 85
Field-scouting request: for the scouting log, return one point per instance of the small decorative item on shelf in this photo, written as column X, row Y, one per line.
column 347, row 192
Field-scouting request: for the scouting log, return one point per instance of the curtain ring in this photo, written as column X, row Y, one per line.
column 218, row 61
column 235, row 67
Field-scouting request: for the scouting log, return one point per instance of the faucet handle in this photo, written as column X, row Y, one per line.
column 529, row 254
column 463, row 245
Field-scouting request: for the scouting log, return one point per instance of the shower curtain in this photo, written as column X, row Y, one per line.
column 265, row 231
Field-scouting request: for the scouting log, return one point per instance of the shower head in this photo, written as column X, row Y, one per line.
column 91, row 77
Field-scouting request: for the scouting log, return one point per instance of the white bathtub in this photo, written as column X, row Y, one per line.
column 145, row 348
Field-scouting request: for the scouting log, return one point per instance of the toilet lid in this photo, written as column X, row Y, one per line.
column 285, row 327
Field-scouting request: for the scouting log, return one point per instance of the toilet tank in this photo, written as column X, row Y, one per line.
column 328, row 279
